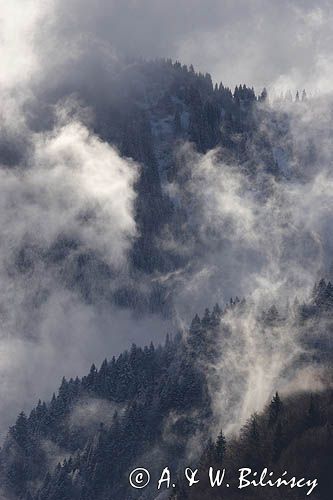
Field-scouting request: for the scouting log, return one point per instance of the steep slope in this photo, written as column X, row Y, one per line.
column 293, row 434
column 147, row 111
column 151, row 407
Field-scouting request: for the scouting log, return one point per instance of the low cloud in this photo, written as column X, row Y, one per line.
column 89, row 413
column 264, row 238
column 73, row 188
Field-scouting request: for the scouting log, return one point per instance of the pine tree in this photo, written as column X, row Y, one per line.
column 20, row 431
column 216, row 316
column 312, row 418
column 319, row 294
column 264, row 95
column 275, row 408
column 195, row 325
column 252, row 442
column 206, row 318
column 220, row 448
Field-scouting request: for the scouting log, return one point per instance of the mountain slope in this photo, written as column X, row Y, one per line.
column 149, row 407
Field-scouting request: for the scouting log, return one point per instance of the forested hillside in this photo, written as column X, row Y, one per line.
column 227, row 194
column 154, row 406
column 148, row 111
column 166, row 249
column 292, row 434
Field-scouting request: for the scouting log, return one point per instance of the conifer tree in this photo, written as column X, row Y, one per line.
column 220, row 448
column 275, row 408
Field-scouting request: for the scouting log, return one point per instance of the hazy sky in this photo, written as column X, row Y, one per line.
column 285, row 43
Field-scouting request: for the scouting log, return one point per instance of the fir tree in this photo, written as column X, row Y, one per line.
column 220, row 448
column 275, row 408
